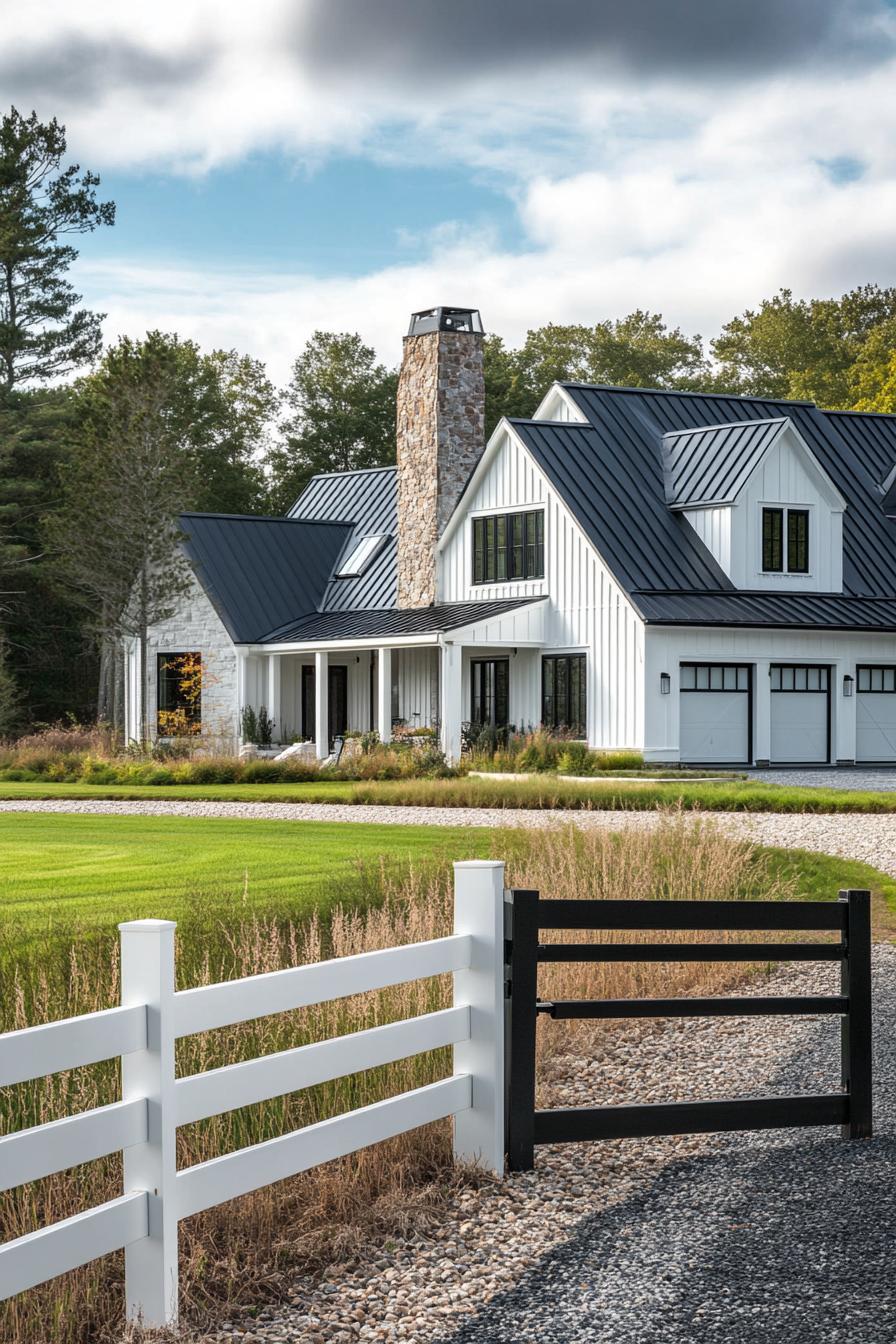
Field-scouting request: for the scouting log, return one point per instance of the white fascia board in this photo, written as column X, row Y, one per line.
column 492, row 448
column 557, row 393
column 467, row 633
column 828, row 487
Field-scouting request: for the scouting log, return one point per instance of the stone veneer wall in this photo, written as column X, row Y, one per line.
column 440, row 438
column 197, row 626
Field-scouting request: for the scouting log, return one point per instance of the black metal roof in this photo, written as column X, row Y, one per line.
column 610, row 472
column 712, row 464
column 829, row 611
column 368, row 500
column 261, row 572
column 393, row 621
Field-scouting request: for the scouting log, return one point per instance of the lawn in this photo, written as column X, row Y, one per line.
column 63, row 877
column 737, row 795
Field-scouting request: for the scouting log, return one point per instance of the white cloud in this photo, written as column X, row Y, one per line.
column 694, row 187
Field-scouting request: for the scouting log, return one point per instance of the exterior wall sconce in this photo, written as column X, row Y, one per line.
column 665, row 683
column 847, row 684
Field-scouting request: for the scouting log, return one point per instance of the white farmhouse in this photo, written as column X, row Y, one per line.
column 703, row 578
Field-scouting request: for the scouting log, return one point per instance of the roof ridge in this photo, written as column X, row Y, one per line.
column 880, row 415
column 727, row 424
column 352, row 471
column 267, row 518
column 686, row 392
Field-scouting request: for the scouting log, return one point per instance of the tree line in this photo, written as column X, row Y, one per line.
column 102, row 448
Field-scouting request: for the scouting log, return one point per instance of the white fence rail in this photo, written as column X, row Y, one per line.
column 143, row 1124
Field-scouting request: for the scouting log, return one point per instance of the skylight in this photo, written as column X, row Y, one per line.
column 360, row 556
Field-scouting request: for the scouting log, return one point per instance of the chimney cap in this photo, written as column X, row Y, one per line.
column 445, row 319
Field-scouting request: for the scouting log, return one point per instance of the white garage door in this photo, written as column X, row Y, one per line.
column 715, row 713
column 800, row 714
column 876, row 714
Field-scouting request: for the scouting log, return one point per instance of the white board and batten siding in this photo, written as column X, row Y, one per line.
column 785, row 478
column 585, row 611
column 666, row 648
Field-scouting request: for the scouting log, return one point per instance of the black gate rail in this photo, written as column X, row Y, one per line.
column 850, row 916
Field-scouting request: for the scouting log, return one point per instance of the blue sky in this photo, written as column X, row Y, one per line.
column 303, row 164
column 346, row 216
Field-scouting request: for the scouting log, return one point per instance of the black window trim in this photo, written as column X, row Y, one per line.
column 483, row 662
column 784, row 513
column 162, row 659
column 485, row 523
column 583, row 686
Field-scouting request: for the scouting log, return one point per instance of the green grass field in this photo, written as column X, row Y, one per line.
column 739, row 795
column 65, row 877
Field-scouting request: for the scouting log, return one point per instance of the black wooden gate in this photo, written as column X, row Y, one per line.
column 850, row 916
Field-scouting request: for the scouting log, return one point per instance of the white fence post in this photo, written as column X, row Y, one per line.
column 147, row 976
column 479, row 911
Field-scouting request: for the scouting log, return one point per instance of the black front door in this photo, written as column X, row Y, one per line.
column 337, row 703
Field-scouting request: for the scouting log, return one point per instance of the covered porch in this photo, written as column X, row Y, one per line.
column 316, row 689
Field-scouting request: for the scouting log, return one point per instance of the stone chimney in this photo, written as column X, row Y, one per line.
column 441, row 436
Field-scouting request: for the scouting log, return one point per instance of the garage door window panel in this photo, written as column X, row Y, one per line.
column 715, row 713
column 876, row 714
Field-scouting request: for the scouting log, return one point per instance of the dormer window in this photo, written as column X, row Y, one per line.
column 778, row 523
column 359, row 557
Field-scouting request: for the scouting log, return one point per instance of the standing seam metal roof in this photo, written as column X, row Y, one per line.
column 261, row 572
column 369, row 500
column 623, row 440
column 711, row 465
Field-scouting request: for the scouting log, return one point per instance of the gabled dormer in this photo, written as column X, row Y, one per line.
column 759, row 500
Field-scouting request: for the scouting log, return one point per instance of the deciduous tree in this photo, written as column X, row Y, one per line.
column 340, row 406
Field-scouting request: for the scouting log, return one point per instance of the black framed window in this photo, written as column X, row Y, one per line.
column 508, row 546
column 490, row 692
column 794, row 523
column 773, row 541
column 798, row 541
column 564, row 693
column 179, row 694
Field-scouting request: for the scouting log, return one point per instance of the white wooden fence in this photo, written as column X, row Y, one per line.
column 143, row 1124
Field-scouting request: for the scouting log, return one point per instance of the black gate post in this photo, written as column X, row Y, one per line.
column 855, row 1029
column 521, row 1055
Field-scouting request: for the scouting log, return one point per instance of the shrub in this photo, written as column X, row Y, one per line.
column 249, row 724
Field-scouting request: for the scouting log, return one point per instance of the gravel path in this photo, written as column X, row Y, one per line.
column 871, row 839
column 877, row 781
column 784, row 1237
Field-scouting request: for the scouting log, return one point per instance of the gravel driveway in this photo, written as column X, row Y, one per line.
column 782, row 1237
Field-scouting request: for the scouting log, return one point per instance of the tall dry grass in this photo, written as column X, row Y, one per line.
column 246, row 1251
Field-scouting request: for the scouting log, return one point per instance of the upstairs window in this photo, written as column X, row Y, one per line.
column 794, row 524
column 359, row 557
column 508, row 546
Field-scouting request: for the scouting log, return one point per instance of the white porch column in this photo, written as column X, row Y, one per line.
column 843, row 737
column 322, row 704
column 384, row 694
column 451, row 709
column 240, row 693
column 273, row 702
